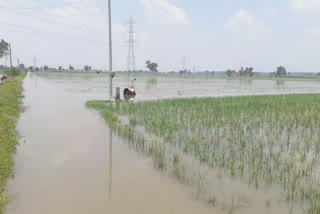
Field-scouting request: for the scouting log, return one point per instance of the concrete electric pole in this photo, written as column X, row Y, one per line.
column 110, row 51
column 10, row 57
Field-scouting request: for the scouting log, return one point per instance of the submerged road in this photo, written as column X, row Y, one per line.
column 69, row 162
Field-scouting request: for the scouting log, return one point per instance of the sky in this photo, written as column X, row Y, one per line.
column 210, row 34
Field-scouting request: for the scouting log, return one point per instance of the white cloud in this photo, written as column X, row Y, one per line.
column 163, row 12
column 244, row 25
column 306, row 5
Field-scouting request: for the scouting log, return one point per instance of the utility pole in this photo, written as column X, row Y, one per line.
column 5, row 61
column 110, row 161
column 34, row 62
column 110, row 51
column 10, row 57
column 131, row 63
column 18, row 62
column 183, row 63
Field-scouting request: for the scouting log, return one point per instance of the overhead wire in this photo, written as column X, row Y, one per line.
column 64, row 19
column 81, row 28
column 52, row 37
column 93, row 15
column 51, row 6
column 55, row 35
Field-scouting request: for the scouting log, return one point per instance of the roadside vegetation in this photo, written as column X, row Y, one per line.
column 10, row 108
column 267, row 142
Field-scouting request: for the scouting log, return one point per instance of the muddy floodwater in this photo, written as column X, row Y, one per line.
column 69, row 160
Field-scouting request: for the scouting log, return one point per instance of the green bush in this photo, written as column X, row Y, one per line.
column 14, row 72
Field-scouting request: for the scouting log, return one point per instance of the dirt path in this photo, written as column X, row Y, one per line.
column 67, row 165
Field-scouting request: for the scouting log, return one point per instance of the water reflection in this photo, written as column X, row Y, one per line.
column 61, row 167
column 208, row 184
column 245, row 81
column 151, row 83
column 280, row 82
column 110, row 162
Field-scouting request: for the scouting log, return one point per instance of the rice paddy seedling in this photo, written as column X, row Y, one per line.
column 268, row 142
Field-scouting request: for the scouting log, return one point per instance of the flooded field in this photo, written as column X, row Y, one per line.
column 240, row 155
column 152, row 87
column 203, row 156
column 69, row 161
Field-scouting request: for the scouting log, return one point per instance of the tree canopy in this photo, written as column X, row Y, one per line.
column 246, row 72
column 87, row 68
column 4, row 48
column 152, row 66
column 281, row 71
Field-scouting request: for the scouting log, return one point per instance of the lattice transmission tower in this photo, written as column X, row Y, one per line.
column 132, row 40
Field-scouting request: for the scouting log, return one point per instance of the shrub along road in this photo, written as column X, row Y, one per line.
column 10, row 108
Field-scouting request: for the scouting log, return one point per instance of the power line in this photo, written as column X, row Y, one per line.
column 54, row 22
column 184, row 63
column 51, row 6
column 46, row 32
column 93, row 14
column 61, row 18
column 53, row 37
column 80, row 15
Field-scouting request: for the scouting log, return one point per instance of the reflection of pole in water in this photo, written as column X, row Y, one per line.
column 110, row 162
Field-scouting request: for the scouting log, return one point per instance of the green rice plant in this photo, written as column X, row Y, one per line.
column 268, row 141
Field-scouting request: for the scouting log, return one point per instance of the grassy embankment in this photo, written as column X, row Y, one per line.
column 10, row 108
column 266, row 141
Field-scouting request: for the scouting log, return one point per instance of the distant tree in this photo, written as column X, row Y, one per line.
column 250, row 72
column 87, row 68
column 60, row 68
column 30, row 68
column 246, row 72
column 4, row 48
column 152, row 66
column 71, row 68
column 318, row 74
column 241, row 71
column 21, row 66
column 36, row 69
column 45, row 68
column 229, row 73
column 281, row 71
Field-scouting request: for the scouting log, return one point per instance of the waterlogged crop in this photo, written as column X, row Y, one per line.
column 270, row 143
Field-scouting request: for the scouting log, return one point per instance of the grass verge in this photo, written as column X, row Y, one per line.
column 10, row 108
